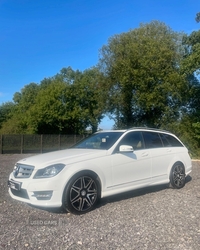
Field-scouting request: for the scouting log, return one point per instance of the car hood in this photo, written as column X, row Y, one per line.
column 67, row 156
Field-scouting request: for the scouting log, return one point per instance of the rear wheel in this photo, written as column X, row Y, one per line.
column 177, row 176
column 81, row 193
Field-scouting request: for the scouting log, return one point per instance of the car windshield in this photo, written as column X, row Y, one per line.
column 103, row 140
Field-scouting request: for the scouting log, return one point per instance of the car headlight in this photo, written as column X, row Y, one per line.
column 49, row 171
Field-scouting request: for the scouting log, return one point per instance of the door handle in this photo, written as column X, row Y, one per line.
column 145, row 154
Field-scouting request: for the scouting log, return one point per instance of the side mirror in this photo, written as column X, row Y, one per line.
column 125, row 148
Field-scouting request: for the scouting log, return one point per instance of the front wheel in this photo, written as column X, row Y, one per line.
column 81, row 193
column 177, row 176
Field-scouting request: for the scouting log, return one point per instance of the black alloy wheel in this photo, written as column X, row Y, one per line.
column 177, row 177
column 81, row 193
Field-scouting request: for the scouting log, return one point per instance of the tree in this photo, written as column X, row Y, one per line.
column 68, row 75
column 191, row 61
column 190, row 67
column 197, row 17
column 5, row 112
column 19, row 116
column 144, row 83
column 68, row 103
column 50, row 113
column 90, row 93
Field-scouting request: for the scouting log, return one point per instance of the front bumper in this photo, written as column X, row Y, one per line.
column 37, row 192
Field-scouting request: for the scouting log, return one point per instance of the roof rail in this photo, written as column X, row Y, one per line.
column 149, row 128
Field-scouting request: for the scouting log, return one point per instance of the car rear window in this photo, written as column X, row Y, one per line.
column 170, row 141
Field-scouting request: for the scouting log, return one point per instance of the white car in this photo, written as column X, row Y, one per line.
column 104, row 164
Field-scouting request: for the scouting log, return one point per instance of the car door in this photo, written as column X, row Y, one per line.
column 161, row 154
column 131, row 168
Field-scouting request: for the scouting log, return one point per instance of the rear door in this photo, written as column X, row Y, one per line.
column 162, row 154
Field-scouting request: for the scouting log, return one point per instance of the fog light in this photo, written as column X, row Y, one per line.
column 43, row 195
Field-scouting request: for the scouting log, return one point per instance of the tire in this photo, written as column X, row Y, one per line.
column 81, row 193
column 177, row 176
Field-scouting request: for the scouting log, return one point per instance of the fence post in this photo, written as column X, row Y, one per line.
column 41, row 143
column 1, row 145
column 22, row 143
column 59, row 141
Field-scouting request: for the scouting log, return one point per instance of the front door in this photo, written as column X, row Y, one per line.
column 131, row 168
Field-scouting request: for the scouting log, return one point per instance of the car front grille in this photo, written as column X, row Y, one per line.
column 22, row 171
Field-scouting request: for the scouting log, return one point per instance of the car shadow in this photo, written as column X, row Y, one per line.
column 132, row 194
column 56, row 210
column 188, row 179
column 136, row 193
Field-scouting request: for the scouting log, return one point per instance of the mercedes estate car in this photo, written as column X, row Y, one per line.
column 104, row 164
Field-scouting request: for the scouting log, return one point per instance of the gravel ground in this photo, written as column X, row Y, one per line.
column 151, row 218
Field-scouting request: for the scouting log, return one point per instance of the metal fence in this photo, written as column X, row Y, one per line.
column 25, row 144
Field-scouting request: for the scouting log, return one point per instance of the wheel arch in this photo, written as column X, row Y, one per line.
column 171, row 165
column 83, row 172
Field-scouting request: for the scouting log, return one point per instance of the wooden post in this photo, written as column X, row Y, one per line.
column 41, row 143
column 1, row 145
column 22, row 143
column 59, row 143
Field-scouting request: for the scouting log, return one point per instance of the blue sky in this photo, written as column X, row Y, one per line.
column 40, row 37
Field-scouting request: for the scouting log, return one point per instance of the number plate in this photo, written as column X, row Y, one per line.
column 14, row 185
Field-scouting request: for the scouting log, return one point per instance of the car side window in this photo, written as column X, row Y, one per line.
column 133, row 139
column 152, row 140
column 170, row 141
